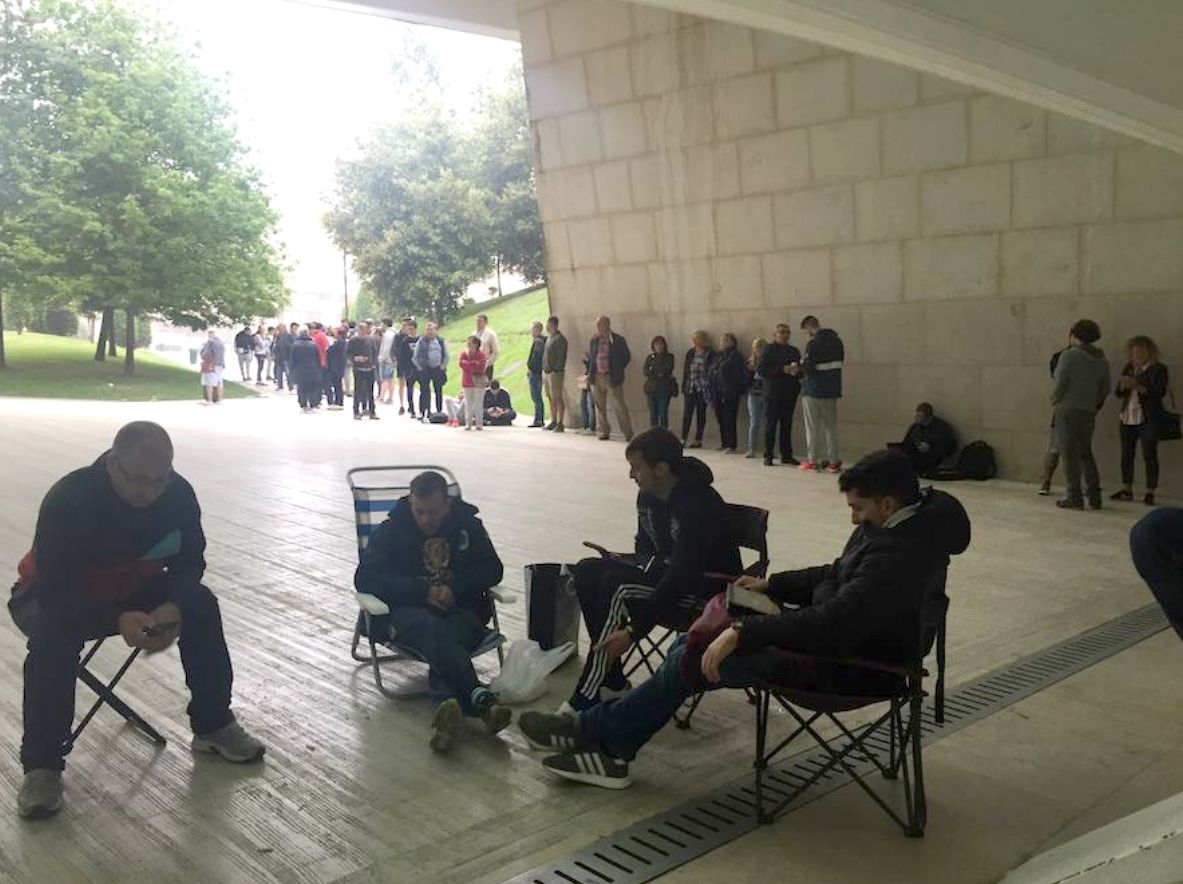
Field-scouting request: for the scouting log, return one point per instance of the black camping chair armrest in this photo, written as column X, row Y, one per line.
column 605, row 553
column 857, row 662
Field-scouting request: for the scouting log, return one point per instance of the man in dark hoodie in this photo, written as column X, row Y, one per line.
column 928, row 441
column 1079, row 389
column 821, row 367
column 433, row 564
column 119, row 549
column 679, row 515
column 866, row 604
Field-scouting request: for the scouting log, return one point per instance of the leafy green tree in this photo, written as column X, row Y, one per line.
column 150, row 207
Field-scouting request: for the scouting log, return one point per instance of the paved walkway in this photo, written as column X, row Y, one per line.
column 350, row 792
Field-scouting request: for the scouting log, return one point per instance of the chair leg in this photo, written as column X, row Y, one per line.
column 364, row 619
column 107, row 696
column 762, row 698
column 497, row 629
column 918, row 818
column 683, row 722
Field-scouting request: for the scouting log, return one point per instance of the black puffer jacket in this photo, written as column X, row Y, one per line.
column 729, row 376
column 868, row 603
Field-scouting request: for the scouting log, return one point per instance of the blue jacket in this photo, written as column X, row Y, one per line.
column 822, row 365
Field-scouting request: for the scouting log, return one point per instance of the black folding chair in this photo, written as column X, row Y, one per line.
column 858, row 751
column 748, row 528
column 936, row 612
column 107, row 696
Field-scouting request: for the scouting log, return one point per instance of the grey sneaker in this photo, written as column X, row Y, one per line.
column 41, row 794
column 232, row 742
column 496, row 718
column 445, row 725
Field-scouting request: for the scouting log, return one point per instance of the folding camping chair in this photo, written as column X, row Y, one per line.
column 748, row 527
column 24, row 608
column 372, row 502
column 857, row 751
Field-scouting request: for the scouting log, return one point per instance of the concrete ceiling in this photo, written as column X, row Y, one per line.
column 1115, row 63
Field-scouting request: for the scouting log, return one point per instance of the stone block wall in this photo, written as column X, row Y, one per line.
column 693, row 174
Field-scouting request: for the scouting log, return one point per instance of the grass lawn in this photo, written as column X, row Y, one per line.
column 510, row 317
column 52, row 367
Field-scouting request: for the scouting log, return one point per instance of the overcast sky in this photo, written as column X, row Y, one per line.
column 307, row 83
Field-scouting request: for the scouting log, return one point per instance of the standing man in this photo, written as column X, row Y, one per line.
column 1081, row 385
column 406, row 362
column 534, row 367
column 433, row 563
column 362, row 357
column 490, row 343
column 607, row 358
column 118, row 549
column 822, row 369
column 386, row 363
column 307, row 372
column 431, row 367
column 554, row 366
column 780, row 366
column 284, row 339
column 213, row 365
column 244, row 348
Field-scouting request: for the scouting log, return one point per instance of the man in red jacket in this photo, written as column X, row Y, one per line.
column 118, row 549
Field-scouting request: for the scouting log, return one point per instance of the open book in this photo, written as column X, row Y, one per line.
column 738, row 597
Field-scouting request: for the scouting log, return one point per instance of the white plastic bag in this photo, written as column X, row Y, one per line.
column 523, row 675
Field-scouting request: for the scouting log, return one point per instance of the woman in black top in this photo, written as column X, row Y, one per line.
column 1142, row 385
column 659, row 382
column 728, row 384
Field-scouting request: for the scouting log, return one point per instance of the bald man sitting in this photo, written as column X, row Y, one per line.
column 118, row 549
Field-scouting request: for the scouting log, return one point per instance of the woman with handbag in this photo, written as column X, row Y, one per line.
column 1144, row 381
column 659, row 382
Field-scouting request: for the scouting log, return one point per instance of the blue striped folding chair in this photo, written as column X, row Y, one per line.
column 376, row 491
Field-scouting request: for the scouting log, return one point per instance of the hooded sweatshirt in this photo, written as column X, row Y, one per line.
column 697, row 546
column 400, row 564
column 868, row 603
column 1081, row 379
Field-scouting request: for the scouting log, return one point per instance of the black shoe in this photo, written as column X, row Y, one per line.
column 1095, row 501
column 790, row 461
column 1149, row 498
column 551, row 426
column 1070, row 503
column 544, row 731
column 768, row 462
column 697, row 443
column 593, row 768
column 1123, row 494
column 536, row 425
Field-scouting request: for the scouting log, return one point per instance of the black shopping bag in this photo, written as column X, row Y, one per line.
column 552, row 608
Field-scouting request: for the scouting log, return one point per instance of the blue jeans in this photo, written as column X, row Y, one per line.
column 755, row 420
column 1156, row 543
column 659, row 409
column 536, row 396
column 587, row 410
column 623, row 725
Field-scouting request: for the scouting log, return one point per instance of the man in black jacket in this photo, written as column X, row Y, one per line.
column 118, row 550
column 866, row 604
column 928, row 441
column 607, row 358
column 678, row 541
column 433, row 563
column 780, row 366
column 405, row 363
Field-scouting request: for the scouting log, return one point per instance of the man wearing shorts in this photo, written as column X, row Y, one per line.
column 213, row 363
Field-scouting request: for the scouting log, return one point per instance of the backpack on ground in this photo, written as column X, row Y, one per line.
column 976, row 461
column 438, row 418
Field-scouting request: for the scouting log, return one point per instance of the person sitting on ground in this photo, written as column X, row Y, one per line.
column 118, row 549
column 433, row 563
column 866, row 604
column 928, row 441
column 678, row 541
column 498, row 406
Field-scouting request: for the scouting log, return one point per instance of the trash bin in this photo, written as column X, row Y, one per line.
column 193, row 355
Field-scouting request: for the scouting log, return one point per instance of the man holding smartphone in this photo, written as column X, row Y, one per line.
column 118, row 549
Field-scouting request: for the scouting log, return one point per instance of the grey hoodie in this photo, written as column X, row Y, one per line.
column 1081, row 379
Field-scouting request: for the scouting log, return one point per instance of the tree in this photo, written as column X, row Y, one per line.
column 428, row 208
column 153, row 209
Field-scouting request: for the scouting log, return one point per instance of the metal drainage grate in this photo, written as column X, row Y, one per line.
column 652, row 847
